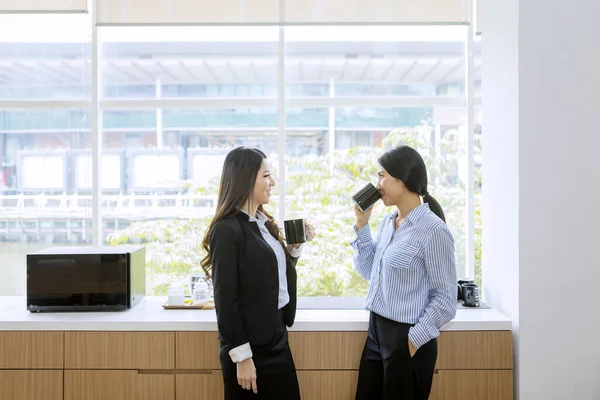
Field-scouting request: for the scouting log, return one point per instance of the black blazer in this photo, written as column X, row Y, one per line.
column 246, row 283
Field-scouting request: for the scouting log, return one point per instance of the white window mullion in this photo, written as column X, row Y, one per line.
column 44, row 104
column 324, row 102
column 312, row 102
column 97, row 234
column 470, row 101
column 197, row 103
column 281, row 109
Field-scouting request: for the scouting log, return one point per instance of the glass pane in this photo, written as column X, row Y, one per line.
column 189, row 62
column 41, row 201
column 320, row 184
column 161, row 182
column 391, row 62
column 44, row 187
column 48, row 62
column 374, row 61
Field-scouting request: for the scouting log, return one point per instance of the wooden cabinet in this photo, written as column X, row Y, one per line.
column 207, row 385
column 33, row 350
column 118, row 385
column 478, row 362
column 185, row 365
column 120, row 350
column 327, row 385
column 327, row 350
column 475, row 350
column 472, row 384
column 197, row 350
column 31, row 384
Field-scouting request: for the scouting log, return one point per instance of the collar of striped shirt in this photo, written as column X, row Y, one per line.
column 413, row 216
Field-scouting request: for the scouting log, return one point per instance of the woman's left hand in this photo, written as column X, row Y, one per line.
column 411, row 348
column 310, row 231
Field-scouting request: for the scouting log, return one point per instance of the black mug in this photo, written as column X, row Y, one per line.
column 366, row 197
column 294, row 231
column 470, row 295
column 461, row 282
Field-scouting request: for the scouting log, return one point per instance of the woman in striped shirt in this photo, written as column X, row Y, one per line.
column 412, row 274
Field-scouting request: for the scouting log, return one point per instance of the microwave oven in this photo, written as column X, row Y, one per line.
column 86, row 278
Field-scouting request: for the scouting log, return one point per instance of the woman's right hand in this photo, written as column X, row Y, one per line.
column 362, row 218
column 246, row 375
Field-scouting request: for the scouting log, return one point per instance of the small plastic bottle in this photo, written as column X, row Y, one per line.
column 201, row 293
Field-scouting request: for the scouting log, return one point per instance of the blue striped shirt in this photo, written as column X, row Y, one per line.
column 412, row 272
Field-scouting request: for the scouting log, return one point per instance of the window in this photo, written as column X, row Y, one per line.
column 168, row 179
column 44, row 131
column 359, row 91
column 175, row 100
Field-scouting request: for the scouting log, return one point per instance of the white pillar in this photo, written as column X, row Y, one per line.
column 541, row 242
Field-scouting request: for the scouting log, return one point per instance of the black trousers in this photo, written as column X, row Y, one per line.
column 275, row 371
column 387, row 372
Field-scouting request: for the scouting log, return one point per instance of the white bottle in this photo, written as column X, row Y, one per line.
column 211, row 291
column 176, row 294
column 201, row 293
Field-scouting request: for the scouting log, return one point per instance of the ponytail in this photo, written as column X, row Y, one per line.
column 434, row 206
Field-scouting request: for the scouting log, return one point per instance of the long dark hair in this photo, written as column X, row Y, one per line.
column 240, row 169
column 406, row 164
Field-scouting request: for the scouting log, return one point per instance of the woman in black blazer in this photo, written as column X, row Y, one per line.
column 254, row 279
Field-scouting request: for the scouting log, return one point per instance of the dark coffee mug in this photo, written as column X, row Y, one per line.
column 366, row 197
column 470, row 295
column 294, row 231
column 461, row 282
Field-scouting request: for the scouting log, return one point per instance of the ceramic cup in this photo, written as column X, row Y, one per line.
column 366, row 197
column 294, row 231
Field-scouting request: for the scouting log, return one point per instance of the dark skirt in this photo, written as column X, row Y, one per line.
column 275, row 371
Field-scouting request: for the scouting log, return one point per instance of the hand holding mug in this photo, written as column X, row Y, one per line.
column 364, row 200
column 362, row 218
column 310, row 231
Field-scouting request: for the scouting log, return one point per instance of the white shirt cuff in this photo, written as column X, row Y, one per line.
column 294, row 252
column 241, row 353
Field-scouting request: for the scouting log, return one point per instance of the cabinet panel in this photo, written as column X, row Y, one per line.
column 327, row 385
column 473, row 384
column 207, row 386
column 39, row 350
column 475, row 350
column 30, row 385
column 342, row 350
column 197, row 350
column 118, row 385
column 120, row 350
column 327, row 350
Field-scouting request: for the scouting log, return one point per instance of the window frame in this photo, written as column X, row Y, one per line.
column 99, row 104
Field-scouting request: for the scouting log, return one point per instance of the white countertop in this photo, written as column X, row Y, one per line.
column 150, row 316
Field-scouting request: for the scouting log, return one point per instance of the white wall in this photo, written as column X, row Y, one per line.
column 557, row 256
column 501, row 160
